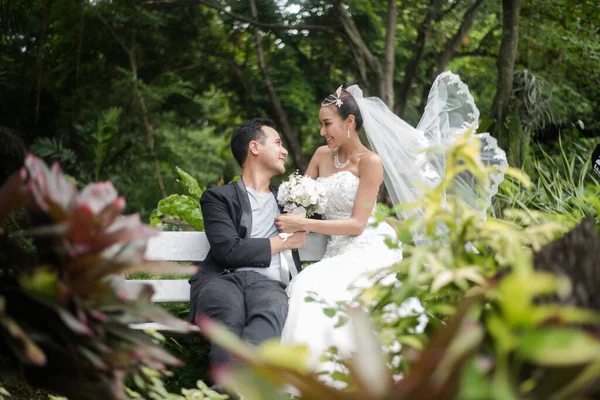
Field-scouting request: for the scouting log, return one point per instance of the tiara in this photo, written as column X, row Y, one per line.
column 334, row 98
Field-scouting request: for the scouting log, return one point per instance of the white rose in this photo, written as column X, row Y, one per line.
column 283, row 193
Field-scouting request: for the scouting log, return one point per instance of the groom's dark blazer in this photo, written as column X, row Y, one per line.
column 228, row 226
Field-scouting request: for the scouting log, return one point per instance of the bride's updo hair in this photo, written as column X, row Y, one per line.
column 345, row 105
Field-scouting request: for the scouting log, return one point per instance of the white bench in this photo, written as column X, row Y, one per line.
column 193, row 247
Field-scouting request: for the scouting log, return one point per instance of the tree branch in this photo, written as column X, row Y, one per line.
column 113, row 33
column 353, row 35
column 242, row 18
column 475, row 53
column 149, row 129
column 413, row 64
column 448, row 10
column 390, row 55
column 294, row 145
column 450, row 47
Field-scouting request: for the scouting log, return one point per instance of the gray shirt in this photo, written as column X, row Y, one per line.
column 264, row 210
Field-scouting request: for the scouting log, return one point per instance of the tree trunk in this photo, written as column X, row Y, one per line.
column 387, row 93
column 149, row 129
column 413, row 65
column 294, row 146
column 506, row 67
column 38, row 90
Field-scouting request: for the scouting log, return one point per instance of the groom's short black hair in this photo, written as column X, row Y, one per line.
column 250, row 130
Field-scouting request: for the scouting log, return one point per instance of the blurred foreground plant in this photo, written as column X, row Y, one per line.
column 64, row 318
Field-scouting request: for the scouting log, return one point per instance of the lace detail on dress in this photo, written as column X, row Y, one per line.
column 341, row 189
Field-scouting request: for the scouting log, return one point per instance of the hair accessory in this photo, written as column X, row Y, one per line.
column 334, row 98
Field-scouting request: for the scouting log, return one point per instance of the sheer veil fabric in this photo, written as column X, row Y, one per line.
column 450, row 111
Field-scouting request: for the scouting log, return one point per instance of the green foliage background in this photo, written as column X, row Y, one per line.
column 74, row 98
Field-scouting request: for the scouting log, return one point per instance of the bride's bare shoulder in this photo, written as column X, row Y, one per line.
column 322, row 153
column 369, row 161
column 323, row 150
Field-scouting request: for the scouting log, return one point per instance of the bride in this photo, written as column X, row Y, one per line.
column 352, row 175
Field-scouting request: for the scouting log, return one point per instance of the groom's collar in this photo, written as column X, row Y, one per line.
column 246, row 221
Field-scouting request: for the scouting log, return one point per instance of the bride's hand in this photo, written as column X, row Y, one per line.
column 289, row 223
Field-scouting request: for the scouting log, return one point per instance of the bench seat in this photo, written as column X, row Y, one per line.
column 193, row 247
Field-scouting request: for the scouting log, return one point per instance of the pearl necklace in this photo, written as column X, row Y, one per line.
column 338, row 164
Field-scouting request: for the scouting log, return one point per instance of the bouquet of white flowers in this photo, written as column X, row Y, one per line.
column 302, row 196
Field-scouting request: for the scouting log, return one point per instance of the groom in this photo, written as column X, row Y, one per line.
column 241, row 281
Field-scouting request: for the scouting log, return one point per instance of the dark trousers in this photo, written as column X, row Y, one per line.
column 251, row 305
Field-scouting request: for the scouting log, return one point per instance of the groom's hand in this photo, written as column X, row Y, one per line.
column 297, row 240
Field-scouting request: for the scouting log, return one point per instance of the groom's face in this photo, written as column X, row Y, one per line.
column 271, row 153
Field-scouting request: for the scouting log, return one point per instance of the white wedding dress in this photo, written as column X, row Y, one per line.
column 348, row 260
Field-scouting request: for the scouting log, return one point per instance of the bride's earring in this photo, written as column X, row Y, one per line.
column 348, row 132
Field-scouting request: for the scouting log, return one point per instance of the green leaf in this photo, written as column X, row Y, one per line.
column 185, row 207
column 41, row 281
column 338, row 376
column 292, row 357
column 559, row 347
column 342, row 320
column 190, row 184
column 139, row 381
column 155, row 218
column 484, row 125
column 411, row 341
column 330, row 312
column 309, row 299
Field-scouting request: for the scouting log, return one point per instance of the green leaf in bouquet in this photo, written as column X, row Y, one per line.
column 190, row 184
column 185, row 207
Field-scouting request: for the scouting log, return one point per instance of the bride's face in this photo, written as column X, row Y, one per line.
column 333, row 128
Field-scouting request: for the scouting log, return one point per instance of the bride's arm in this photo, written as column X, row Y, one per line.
column 371, row 177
